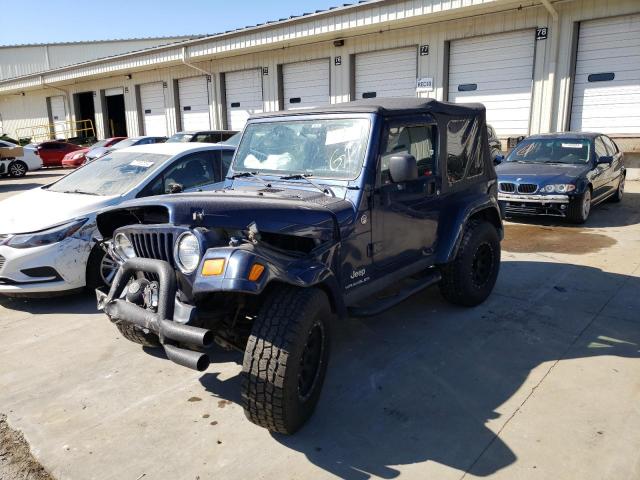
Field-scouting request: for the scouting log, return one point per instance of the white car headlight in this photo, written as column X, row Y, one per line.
column 123, row 247
column 559, row 188
column 187, row 252
column 45, row 237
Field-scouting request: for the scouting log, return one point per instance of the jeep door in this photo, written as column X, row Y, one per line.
column 405, row 214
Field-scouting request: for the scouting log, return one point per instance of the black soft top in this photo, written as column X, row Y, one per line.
column 389, row 107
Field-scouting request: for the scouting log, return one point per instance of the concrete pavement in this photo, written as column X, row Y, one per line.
column 541, row 381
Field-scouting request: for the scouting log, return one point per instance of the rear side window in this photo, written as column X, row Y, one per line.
column 463, row 150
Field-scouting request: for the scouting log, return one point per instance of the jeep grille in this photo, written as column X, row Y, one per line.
column 156, row 245
column 2, row 260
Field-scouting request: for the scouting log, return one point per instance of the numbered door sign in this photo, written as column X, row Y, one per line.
column 541, row 33
column 424, row 50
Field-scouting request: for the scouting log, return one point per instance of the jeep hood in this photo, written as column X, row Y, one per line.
column 277, row 210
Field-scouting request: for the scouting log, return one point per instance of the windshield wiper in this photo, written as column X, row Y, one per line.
column 80, row 192
column 249, row 174
column 298, row 176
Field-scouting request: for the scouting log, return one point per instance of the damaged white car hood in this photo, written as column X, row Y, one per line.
column 39, row 209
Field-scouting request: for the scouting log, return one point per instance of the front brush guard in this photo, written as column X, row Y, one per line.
column 160, row 322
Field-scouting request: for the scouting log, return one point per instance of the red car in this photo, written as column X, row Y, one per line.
column 76, row 158
column 54, row 151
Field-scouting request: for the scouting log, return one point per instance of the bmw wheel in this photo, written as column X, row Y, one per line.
column 617, row 197
column 580, row 207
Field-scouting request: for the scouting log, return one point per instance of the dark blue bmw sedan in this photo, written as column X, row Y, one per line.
column 560, row 174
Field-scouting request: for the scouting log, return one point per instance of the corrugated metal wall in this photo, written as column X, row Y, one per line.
column 551, row 73
column 23, row 60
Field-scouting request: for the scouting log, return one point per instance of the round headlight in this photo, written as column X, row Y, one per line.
column 123, row 246
column 549, row 188
column 187, row 252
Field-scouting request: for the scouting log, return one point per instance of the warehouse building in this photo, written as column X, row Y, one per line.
column 538, row 66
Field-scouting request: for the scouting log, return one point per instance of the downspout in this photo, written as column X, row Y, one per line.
column 184, row 61
column 552, row 123
column 66, row 100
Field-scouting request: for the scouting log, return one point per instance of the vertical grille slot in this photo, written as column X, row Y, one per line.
column 507, row 187
column 527, row 188
column 156, row 245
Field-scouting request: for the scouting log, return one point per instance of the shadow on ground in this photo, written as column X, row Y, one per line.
column 78, row 303
column 420, row 382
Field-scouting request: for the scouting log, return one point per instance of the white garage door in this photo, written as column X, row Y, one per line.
column 244, row 96
column 305, row 84
column 194, row 103
column 496, row 70
column 58, row 115
column 387, row 73
column 606, row 92
column 153, row 109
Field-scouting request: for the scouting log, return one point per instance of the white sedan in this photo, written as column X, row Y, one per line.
column 48, row 234
column 19, row 166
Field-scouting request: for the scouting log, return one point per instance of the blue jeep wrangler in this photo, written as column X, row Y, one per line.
column 338, row 211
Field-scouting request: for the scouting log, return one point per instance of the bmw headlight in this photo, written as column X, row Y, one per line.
column 559, row 188
column 123, row 247
column 45, row 237
column 187, row 252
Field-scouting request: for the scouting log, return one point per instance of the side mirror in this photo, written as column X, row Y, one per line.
column 606, row 159
column 403, row 167
column 174, row 188
column 498, row 159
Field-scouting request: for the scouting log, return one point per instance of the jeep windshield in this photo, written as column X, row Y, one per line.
column 326, row 148
column 551, row 150
column 114, row 174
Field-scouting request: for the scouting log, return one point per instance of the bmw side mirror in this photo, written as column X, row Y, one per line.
column 174, row 188
column 403, row 167
column 606, row 159
column 498, row 159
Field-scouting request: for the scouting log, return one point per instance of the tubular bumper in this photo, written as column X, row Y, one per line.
column 161, row 322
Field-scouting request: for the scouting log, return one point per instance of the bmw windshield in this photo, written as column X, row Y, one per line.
column 551, row 150
column 111, row 175
column 327, row 148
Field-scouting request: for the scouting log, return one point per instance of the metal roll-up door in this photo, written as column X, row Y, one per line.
column 305, row 84
column 606, row 90
column 386, row 73
column 243, row 92
column 153, row 109
column 58, row 115
column 496, row 70
column 193, row 96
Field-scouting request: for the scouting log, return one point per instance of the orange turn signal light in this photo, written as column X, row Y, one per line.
column 256, row 272
column 214, row 266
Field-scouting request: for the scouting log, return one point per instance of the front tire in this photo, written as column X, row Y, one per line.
column 469, row 279
column 100, row 269
column 617, row 197
column 580, row 207
column 135, row 334
column 18, row 169
column 286, row 358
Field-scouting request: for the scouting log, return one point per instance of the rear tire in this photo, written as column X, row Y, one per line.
column 580, row 207
column 469, row 279
column 18, row 169
column 137, row 335
column 286, row 358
